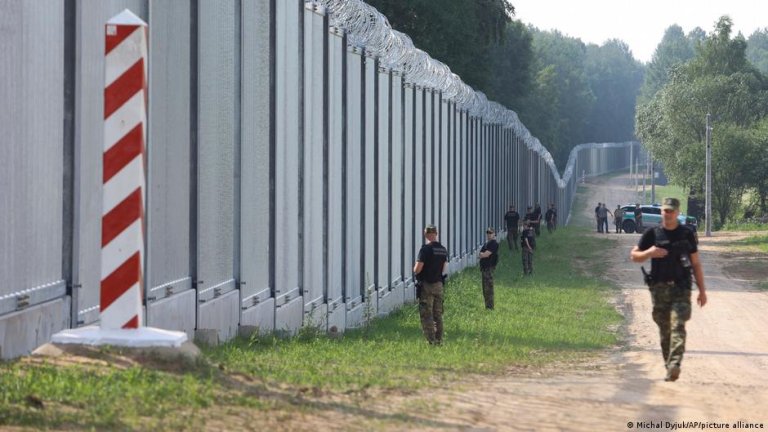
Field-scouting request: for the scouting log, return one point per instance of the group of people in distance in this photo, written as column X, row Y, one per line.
column 671, row 247
column 601, row 217
column 430, row 269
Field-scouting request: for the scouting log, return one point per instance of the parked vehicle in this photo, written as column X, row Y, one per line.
column 651, row 218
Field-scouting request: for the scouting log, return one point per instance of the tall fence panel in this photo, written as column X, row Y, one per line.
column 314, row 223
column 288, row 150
column 169, row 199
column 218, row 141
column 32, row 241
column 337, row 178
column 257, row 301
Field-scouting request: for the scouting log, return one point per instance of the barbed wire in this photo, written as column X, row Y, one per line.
column 369, row 29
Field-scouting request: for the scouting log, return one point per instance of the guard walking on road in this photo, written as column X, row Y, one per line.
column 674, row 255
column 430, row 270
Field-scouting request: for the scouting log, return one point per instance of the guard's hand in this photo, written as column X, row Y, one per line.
column 657, row 252
column 701, row 299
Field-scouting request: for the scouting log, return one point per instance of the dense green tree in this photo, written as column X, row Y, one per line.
column 511, row 67
column 757, row 49
column 758, row 161
column 560, row 102
column 720, row 81
column 614, row 77
column 459, row 33
column 674, row 49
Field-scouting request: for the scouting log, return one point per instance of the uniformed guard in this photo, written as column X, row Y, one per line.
column 512, row 219
column 551, row 218
column 430, row 272
column 674, row 254
column 489, row 256
column 537, row 219
column 618, row 218
column 638, row 212
column 528, row 244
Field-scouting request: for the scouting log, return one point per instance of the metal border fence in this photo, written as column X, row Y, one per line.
column 296, row 150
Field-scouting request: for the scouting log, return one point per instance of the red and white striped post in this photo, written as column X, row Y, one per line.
column 125, row 129
column 122, row 218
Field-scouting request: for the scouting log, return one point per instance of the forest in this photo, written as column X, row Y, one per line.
column 568, row 92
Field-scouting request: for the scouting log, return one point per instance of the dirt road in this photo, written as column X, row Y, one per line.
column 724, row 381
column 724, row 376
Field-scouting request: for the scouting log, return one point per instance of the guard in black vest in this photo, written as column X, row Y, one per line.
column 489, row 256
column 512, row 219
column 674, row 255
column 430, row 272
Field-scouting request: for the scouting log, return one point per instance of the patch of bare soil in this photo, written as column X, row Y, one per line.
column 174, row 360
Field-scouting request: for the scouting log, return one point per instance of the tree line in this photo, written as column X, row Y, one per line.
column 568, row 93
column 724, row 76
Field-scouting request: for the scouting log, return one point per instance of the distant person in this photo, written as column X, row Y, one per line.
column 618, row 218
column 597, row 218
column 512, row 219
column 429, row 269
column 674, row 255
column 603, row 213
column 528, row 244
column 530, row 216
column 638, row 218
column 489, row 256
column 537, row 219
column 551, row 218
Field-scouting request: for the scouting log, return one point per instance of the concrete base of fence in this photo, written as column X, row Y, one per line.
column 337, row 318
column 409, row 293
column 290, row 317
column 260, row 317
column 356, row 316
column 221, row 314
column 23, row 331
column 141, row 337
column 172, row 313
column 391, row 300
column 317, row 317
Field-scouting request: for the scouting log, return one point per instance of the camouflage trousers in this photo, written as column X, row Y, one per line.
column 488, row 286
column 671, row 309
column 431, row 311
column 512, row 238
column 527, row 261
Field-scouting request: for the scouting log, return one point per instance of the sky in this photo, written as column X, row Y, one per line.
column 639, row 23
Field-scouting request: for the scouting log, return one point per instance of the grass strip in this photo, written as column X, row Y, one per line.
column 557, row 315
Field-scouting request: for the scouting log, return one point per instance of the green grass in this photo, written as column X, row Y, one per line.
column 554, row 315
column 557, row 315
column 759, row 242
column 101, row 398
column 669, row 190
column 744, row 226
